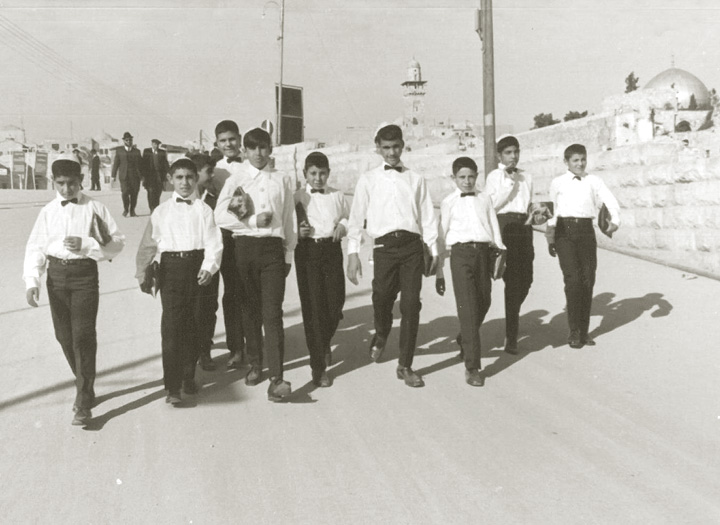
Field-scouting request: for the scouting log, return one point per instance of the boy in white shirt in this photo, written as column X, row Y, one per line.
column 71, row 234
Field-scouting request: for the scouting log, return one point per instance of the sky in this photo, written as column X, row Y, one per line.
column 167, row 68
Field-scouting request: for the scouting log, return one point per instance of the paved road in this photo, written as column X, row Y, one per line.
column 625, row 432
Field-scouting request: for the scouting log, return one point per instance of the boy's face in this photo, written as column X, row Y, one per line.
column 204, row 176
column 259, row 156
column 67, row 186
column 576, row 163
column 183, row 182
column 317, row 177
column 390, row 151
column 228, row 142
column 510, row 156
column 465, row 179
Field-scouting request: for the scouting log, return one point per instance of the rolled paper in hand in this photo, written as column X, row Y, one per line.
column 539, row 213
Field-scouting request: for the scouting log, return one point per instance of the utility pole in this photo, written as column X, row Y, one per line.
column 280, row 87
column 484, row 29
column 201, row 141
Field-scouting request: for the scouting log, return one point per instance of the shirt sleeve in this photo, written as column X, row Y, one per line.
column 36, row 252
column 605, row 196
column 223, row 218
column 213, row 244
column 428, row 219
column 442, row 235
column 358, row 213
column 289, row 224
column 495, row 233
column 344, row 210
column 147, row 250
column 92, row 248
column 553, row 198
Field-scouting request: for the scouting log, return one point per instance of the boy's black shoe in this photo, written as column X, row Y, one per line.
column 377, row 347
column 587, row 340
column 125, row 213
column 253, row 376
column 173, row 398
column 82, row 416
column 235, row 361
column 574, row 339
column 474, row 377
column 511, row 347
column 410, row 377
column 321, row 379
column 278, row 390
column 206, row 362
column 190, row 387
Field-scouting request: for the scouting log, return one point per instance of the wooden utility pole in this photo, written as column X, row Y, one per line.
column 484, row 29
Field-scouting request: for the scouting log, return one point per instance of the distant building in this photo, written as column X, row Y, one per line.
column 414, row 100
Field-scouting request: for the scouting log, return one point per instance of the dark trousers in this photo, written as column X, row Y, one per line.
column 153, row 196
column 518, row 276
column 321, row 283
column 471, row 277
column 577, row 252
column 73, row 294
column 180, row 293
column 95, row 182
column 398, row 268
column 129, row 188
column 261, row 284
column 207, row 304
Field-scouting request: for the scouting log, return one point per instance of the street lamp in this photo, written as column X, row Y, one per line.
column 281, row 38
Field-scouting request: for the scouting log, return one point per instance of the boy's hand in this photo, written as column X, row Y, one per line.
column 305, row 230
column 434, row 265
column 72, row 244
column 612, row 228
column 440, row 285
column 204, row 277
column 339, row 233
column 33, row 296
column 264, row 219
column 354, row 268
column 551, row 250
column 288, row 266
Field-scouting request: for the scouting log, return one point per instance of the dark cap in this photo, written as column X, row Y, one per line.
column 156, row 141
column 127, row 135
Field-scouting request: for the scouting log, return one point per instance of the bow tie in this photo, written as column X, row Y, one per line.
column 399, row 169
column 186, row 201
column 577, row 177
column 317, row 191
column 65, row 203
column 511, row 170
column 468, row 194
column 234, row 159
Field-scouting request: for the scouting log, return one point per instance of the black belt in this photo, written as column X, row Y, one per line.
column 514, row 215
column 397, row 234
column 319, row 240
column 190, row 254
column 578, row 220
column 64, row 262
column 472, row 244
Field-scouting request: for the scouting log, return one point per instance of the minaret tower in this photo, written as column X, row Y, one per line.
column 414, row 97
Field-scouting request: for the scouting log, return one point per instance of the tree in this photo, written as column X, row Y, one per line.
column 631, row 82
column 572, row 115
column 544, row 119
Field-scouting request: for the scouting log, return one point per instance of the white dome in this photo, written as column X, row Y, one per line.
column 685, row 84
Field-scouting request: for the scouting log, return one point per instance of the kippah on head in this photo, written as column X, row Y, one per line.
column 388, row 132
column 66, row 165
column 463, row 162
column 573, row 149
column 507, row 141
column 225, row 126
column 317, row 159
column 257, row 137
column 183, row 163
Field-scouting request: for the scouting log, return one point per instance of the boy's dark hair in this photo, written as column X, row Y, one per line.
column 93, row 150
column 389, row 132
column 463, row 162
column 506, row 142
column 66, row 168
column 183, row 163
column 574, row 149
column 317, row 159
column 201, row 160
column 256, row 138
column 225, row 126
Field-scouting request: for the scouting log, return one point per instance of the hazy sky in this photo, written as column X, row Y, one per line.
column 168, row 68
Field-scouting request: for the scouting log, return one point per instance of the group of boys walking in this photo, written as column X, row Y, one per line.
column 244, row 219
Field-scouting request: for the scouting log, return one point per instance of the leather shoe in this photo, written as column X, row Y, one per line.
column 321, row 379
column 125, row 213
column 377, row 347
column 206, row 362
column 278, row 390
column 253, row 376
column 511, row 347
column 574, row 339
column 190, row 387
column 474, row 377
column 236, row 360
column 82, row 417
column 410, row 377
column 587, row 340
column 173, row 398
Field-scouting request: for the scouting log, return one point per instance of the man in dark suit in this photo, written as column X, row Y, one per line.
column 128, row 164
column 94, row 170
column 155, row 168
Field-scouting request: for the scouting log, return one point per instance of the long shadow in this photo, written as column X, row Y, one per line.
column 625, row 311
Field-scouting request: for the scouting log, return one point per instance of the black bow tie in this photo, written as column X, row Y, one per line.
column 65, row 203
column 468, row 194
column 186, row 201
column 234, row 159
column 577, row 177
column 511, row 170
column 399, row 169
column 317, row 191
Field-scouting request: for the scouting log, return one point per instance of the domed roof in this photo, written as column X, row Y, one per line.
column 685, row 84
column 414, row 64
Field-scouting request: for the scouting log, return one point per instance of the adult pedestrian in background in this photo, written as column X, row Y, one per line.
column 127, row 165
column 155, row 169
column 94, row 171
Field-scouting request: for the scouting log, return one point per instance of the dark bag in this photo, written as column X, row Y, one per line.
column 151, row 282
column 604, row 221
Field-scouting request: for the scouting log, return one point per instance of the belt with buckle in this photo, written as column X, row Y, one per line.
column 190, row 254
column 397, row 234
column 472, row 244
column 514, row 215
column 577, row 220
column 65, row 262
column 319, row 240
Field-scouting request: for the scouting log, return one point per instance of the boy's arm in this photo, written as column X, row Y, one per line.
column 289, row 225
column 358, row 212
column 495, row 233
column 498, row 192
column 146, row 251
column 550, row 228
column 36, row 253
column 428, row 218
column 213, row 244
column 608, row 199
column 443, row 225
column 115, row 165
